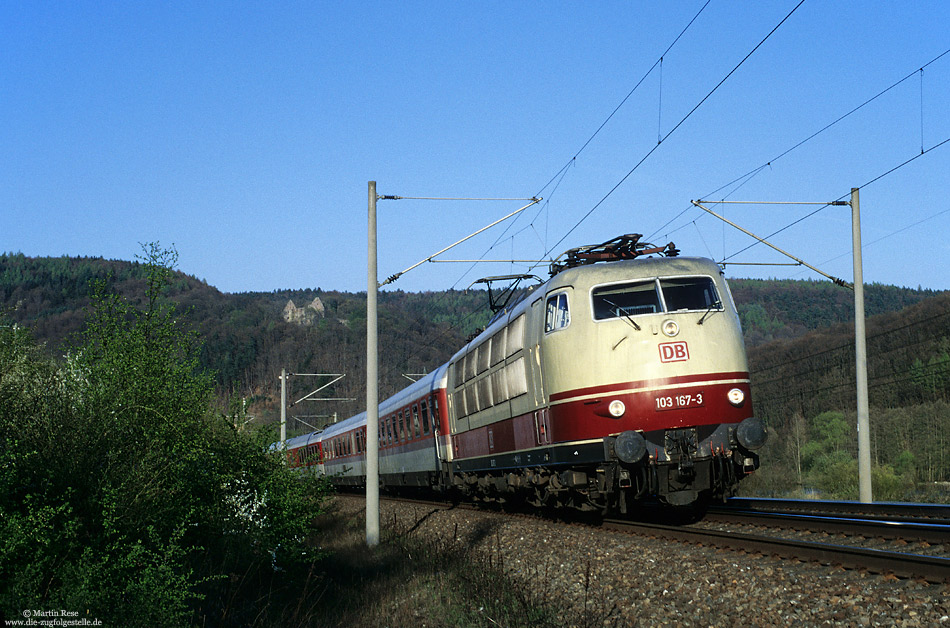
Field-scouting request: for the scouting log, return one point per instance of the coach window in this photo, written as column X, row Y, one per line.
column 415, row 420
column 557, row 316
column 627, row 299
column 402, row 428
column 425, row 417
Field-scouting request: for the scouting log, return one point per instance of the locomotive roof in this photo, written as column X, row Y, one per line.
column 640, row 268
column 591, row 274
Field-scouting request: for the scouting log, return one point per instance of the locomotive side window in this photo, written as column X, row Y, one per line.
column 498, row 346
column 690, row 293
column 517, row 380
column 459, row 398
column 628, row 299
column 469, row 365
column 471, row 400
column 499, row 386
column 484, row 355
column 556, row 316
column 515, row 336
column 457, row 376
column 485, row 399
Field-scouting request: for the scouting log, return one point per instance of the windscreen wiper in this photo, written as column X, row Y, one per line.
column 717, row 305
column 622, row 311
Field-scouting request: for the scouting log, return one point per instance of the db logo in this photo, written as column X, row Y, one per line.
column 674, row 352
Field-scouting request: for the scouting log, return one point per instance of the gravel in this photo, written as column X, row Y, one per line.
column 627, row 580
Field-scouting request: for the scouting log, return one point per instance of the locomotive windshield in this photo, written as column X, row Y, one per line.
column 675, row 294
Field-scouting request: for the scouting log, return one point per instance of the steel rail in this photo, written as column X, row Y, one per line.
column 906, row 510
column 903, row 565
column 884, row 528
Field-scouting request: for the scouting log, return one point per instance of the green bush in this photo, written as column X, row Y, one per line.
column 123, row 494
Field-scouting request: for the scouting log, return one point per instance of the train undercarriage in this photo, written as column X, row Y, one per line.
column 611, row 476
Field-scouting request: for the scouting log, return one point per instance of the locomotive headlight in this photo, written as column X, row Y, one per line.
column 670, row 328
column 616, row 408
column 736, row 397
column 630, row 446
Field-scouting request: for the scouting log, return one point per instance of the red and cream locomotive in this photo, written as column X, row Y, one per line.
column 622, row 378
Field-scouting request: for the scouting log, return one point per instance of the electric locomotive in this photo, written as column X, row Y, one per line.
column 621, row 378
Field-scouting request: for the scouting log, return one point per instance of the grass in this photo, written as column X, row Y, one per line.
column 410, row 580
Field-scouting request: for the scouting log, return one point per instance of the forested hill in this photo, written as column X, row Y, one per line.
column 248, row 337
column 782, row 309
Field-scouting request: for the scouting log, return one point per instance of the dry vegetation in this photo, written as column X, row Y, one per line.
column 412, row 581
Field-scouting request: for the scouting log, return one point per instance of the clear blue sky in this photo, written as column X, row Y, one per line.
column 244, row 134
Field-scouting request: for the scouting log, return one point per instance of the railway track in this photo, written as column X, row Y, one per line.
column 913, row 540
column 895, row 511
column 927, row 530
column 901, row 564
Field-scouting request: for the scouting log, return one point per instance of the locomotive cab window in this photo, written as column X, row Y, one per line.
column 689, row 293
column 673, row 294
column 557, row 315
column 628, row 299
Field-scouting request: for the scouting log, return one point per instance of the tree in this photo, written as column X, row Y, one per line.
column 122, row 493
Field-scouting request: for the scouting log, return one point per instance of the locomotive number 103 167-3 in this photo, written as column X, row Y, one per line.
column 678, row 402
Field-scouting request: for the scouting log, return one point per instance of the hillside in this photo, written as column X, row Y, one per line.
column 783, row 309
column 248, row 337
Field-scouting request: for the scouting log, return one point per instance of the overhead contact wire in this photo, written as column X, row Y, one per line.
column 560, row 174
column 842, row 197
column 627, row 97
column 678, row 125
column 769, row 163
